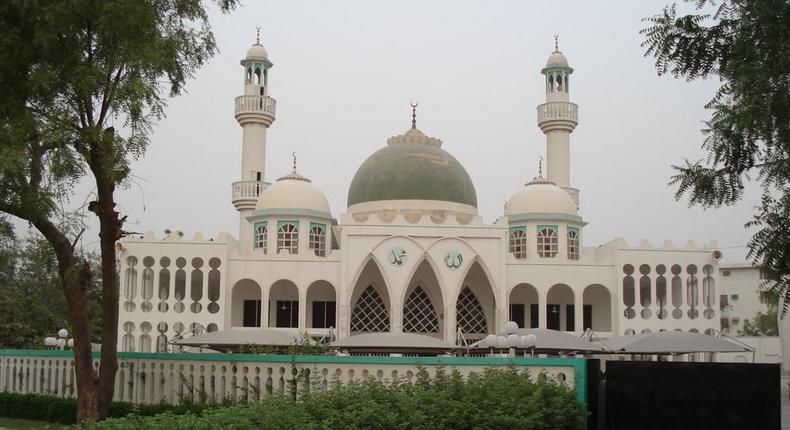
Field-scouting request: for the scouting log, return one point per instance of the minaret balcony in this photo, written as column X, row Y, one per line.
column 244, row 194
column 255, row 109
column 558, row 115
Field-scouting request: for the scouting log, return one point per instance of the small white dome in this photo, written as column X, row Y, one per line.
column 257, row 51
column 557, row 59
column 293, row 191
column 540, row 196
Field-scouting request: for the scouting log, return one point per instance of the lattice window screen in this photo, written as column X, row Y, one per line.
column 419, row 316
column 469, row 314
column 370, row 314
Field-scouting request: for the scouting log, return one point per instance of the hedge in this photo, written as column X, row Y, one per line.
column 500, row 398
column 64, row 410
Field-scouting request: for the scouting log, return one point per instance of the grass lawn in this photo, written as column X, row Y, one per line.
column 17, row 424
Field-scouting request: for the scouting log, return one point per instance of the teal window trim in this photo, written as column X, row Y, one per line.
column 511, row 230
column 318, row 224
column 282, row 223
column 553, row 227
column 574, row 229
column 265, row 238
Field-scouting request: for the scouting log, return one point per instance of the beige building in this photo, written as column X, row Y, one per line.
column 410, row 253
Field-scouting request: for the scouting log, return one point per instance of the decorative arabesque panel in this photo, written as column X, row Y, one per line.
column 469, row 314
column 419, row 316
column 370, row 313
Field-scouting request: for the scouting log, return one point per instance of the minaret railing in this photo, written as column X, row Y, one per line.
column 254, row 104
column 566, row 111
column 247, row 189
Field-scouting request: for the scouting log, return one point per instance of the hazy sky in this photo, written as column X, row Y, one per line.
column 345, row 72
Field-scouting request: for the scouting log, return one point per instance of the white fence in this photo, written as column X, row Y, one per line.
column 205, row 378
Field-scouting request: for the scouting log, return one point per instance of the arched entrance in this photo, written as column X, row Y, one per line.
column 423, row 307
column 321, row 305
column 523, row 306
column 597, row 308
column 245, row 304
column 560, row 314
column 284, row 304
column 476, row 305
column 370, row 302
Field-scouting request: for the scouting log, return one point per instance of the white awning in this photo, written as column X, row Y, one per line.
column 392, row 341
column 239, row 336
column 552, row 340
column 670, row 342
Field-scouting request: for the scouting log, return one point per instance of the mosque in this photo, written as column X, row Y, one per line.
column 410, row 254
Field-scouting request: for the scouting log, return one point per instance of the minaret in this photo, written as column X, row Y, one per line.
column 557, row 118
column 255, row 112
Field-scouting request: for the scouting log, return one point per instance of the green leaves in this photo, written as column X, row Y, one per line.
column 743, row 44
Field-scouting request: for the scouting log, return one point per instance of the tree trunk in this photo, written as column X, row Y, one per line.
column 76, row 279
column 101, row 157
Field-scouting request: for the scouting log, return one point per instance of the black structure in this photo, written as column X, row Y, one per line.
column 670, row 395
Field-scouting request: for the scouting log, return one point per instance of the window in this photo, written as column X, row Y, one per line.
column 251, row 315
column 573, row 243
column 518, row 242
column 725, row 273
column 317, row 239
column 288, row 237
column 370, row 314
column 259, row 237
column 547, row 241
column 469, row 314
column 517, row 314
column 419, row 316
column 323, row 314
column 287, row 314
column 733, row 297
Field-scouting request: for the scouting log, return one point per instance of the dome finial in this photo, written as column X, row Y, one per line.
column 413, row 115
column 293, row 155
column 556, row 43
column 258, row 35
column 540, row 167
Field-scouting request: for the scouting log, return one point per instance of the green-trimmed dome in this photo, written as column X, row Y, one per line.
column 412, row 167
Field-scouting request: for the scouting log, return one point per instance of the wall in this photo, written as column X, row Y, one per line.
column 155, row 378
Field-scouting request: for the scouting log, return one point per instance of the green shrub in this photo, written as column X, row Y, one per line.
column 64, row 410
column 496, row 399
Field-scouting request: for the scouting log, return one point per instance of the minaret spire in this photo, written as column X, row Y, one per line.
column 556, row 42
column 413, row 115
column 258, row 35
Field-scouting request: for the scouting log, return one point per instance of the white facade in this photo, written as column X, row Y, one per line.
column 742, row 295
column 411, row 253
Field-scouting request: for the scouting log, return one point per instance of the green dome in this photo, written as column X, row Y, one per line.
column 412, row 171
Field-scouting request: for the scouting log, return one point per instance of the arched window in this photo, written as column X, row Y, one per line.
column 370, row 313
column 288, row 237
column 518, row 242
column 259, row 237
column 573, row 243
column 419, row 316
column 469, row 314
column 547, row 241
column 317, row 239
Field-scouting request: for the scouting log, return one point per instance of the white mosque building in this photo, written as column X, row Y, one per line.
column 410, row 254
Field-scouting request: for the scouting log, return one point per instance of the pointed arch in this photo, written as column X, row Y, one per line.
column 476, row 303
column 370, row 301
column 423, row 304
column 370, row 314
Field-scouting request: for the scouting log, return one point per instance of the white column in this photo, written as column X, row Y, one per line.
column 558, row 157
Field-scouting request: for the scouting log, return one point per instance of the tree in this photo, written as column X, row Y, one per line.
column 763, row 324
column 74, row 74
column 29, row 285
column 744, row 43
